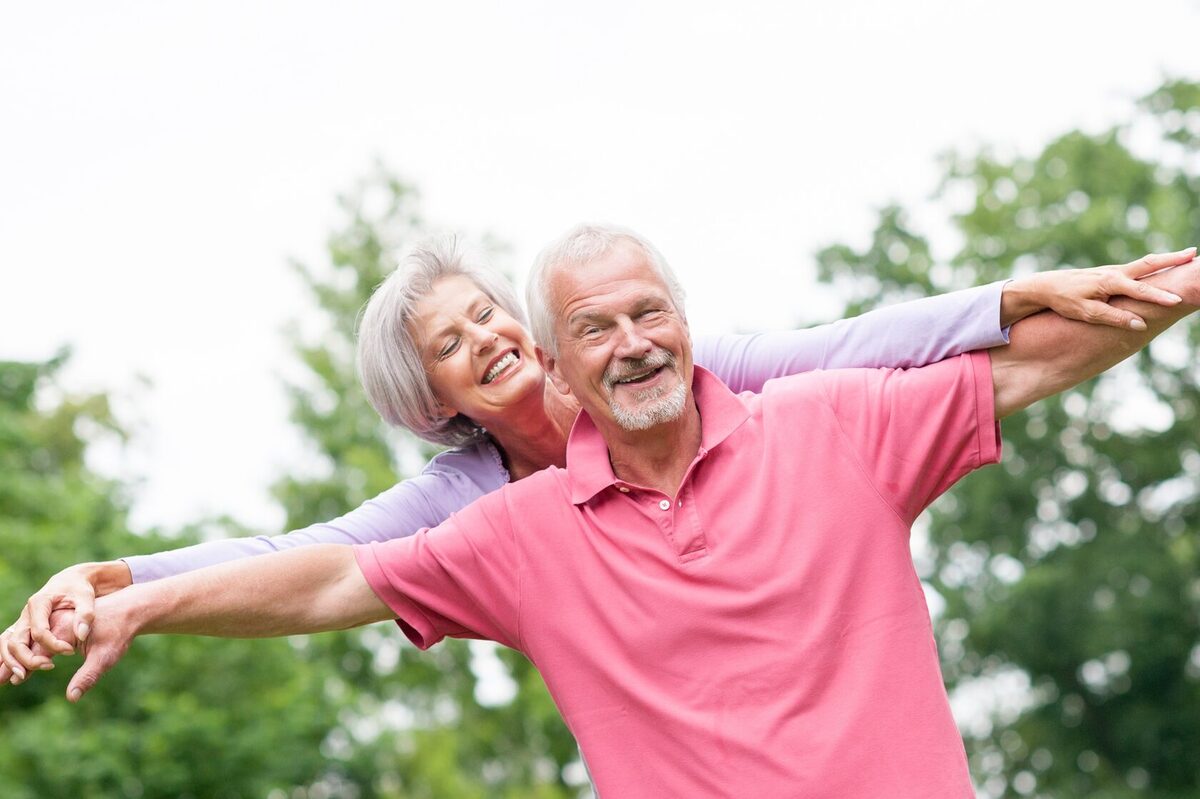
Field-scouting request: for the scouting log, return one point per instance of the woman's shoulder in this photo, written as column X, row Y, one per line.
column 478, row 464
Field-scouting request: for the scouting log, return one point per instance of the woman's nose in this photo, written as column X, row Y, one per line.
column 482, row 338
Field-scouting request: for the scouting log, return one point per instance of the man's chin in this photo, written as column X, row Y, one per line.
column 650, row 412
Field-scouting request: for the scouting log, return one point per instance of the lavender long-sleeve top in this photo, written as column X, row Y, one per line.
column 910, row 334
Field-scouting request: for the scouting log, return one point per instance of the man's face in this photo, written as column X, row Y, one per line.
column 623, row 347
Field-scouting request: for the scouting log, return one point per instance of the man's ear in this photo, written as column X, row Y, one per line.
column 550, row 367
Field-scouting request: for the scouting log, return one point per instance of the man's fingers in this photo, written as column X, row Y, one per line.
column 1149, row 264
column 94, row 665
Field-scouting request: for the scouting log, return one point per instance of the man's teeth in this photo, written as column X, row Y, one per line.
column 637, row 377
column 501, row 365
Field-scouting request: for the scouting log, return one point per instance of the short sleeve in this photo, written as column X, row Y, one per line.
column 918, row 431
column 460, row 579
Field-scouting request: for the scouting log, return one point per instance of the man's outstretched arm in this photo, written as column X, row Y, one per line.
column 306, row 590
column 1048, row 354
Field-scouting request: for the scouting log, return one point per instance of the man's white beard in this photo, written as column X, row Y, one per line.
column 655, row 406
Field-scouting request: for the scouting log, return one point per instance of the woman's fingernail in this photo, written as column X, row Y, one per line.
column 81, row 632
column 18, row 672
column 1138, row 325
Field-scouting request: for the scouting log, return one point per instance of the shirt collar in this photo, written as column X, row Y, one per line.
column 588, row 467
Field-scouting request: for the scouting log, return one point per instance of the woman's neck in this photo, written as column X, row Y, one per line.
column 533, row 439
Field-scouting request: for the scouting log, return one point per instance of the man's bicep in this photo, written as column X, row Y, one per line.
column 358, row 602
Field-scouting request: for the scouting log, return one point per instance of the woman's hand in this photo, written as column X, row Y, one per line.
column 61, row 623
column 1083, row 294
column 31, row 642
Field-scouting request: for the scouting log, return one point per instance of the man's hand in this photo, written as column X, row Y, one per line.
column 1084, row 294
column 113, row 630
column 306, row 590
column 1048, row 354
column 30, row 643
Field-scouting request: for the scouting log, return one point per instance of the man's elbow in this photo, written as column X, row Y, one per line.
column 351, row 602
column 1017, row 385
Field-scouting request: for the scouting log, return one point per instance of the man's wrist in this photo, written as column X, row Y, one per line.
column 121, row 610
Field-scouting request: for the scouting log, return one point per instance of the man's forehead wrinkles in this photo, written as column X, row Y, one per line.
column 613, row 301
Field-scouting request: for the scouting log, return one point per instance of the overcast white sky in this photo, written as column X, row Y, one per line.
column 159, row 163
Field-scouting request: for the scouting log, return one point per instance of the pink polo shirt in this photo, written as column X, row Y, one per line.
column 763, row 633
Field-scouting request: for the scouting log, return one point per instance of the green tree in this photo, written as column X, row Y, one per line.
column 419, row 728
column 1070, row 571
column 182, row 716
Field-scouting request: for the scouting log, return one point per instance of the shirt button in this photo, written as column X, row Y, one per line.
column 623, row 489
column 665, row 504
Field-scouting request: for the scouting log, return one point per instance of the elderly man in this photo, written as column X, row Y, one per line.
column 718, row 589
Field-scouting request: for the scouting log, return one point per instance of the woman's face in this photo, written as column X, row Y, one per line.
column 480, row 361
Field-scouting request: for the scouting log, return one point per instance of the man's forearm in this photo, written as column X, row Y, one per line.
column 1048, row 354
column 306, row 590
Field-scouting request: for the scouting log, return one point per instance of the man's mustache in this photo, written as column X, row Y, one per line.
column 628, row 367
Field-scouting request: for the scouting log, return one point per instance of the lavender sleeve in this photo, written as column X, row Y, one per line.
column 450, row 482
column 907, row 334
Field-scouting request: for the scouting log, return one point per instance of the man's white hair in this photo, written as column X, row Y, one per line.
column 579, row 247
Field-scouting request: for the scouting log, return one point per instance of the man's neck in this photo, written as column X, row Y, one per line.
column 657, row 458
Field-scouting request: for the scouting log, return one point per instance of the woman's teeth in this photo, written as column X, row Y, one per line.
column 502, row 364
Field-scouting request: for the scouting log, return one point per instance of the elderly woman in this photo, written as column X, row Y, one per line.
column 444, row 352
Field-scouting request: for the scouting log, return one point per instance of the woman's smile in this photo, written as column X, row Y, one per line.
column 502, row 366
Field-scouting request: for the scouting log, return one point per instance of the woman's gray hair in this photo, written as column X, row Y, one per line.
column 578, row 247
column 390, row 365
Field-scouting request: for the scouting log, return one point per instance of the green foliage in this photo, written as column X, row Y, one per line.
column 181, row 716
column 418, row 729
column 1074, row 563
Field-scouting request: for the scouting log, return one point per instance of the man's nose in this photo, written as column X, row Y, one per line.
column 631, row 340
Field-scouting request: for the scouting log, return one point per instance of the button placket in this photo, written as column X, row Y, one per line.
column 690, row 528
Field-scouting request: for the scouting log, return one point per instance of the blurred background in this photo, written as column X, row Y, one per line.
column 196, row 199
